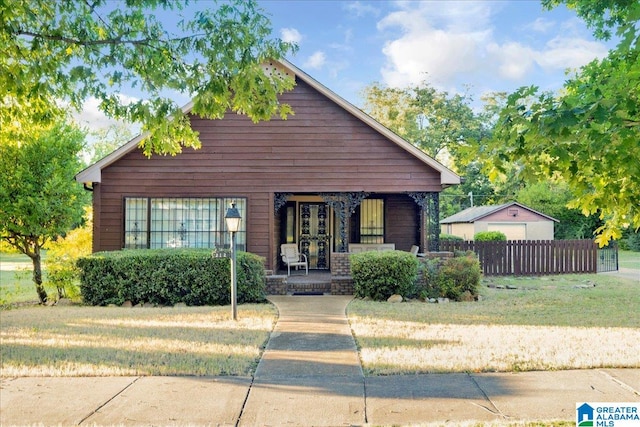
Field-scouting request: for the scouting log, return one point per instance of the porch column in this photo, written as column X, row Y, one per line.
column 344, row 204
column 429, row 220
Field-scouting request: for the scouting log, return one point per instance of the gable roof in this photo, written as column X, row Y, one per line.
column 93, row 173
column 476, row 213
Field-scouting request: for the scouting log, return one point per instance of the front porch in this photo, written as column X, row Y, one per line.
column 321, row 224
column 338, row 281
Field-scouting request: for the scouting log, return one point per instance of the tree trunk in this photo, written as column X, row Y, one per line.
column 37, row 275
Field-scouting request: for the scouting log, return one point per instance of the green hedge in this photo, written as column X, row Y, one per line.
column 451, row 238
column 168, row 277
column 490, row 236
column 459, row 277
column 378, row 275
column 456, row 278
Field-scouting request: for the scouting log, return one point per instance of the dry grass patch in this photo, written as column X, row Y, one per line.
column 545, row 324
column 107, row 341
column 416, row 347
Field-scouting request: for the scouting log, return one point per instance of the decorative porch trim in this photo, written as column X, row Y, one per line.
column 344, row 204
column 279, row 200
column 429, row 203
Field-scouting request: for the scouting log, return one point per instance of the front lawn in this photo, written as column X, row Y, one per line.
column 108, row 341
column 548, row 323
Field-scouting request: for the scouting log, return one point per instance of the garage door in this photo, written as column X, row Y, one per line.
column 513, row 231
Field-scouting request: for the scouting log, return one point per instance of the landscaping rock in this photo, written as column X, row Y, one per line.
column 395, row 298
column 433, row 300
column 180, row 305
column 443, row 300
column 127, row 304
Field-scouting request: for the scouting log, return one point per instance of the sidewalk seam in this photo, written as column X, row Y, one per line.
column 108, row 400
column 246, row 398
column 488, row 399
column 620, row 383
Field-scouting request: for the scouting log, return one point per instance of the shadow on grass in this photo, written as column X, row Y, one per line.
column 99, row 361
column 130, row 341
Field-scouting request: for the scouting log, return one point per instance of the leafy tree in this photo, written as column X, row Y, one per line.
column 63, row 253
column 587, row 136
column 551, row 198
column 39, row 199
column 105, row 141
column 476, row 185
column 438, row 123
column 73, row 50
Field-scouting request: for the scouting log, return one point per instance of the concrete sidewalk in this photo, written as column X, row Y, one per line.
column 310, row 375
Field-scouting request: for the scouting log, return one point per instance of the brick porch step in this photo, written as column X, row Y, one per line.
column 317, row 287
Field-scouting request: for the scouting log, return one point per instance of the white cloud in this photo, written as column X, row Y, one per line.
column 360, row 9
column 93, row 119
column 290, row 35
column 315, row 61
column 424, row 50
column 541, row 25
column 447, row 43
column 513, row 60
column 561, row 53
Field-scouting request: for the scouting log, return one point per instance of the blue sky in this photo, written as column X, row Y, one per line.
column 488, row 45
column 483, row 45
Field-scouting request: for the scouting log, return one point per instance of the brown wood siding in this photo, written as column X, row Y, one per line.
column 322, row 148
column 402, row 216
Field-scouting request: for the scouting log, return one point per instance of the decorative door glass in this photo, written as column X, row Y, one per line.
column 314, row 234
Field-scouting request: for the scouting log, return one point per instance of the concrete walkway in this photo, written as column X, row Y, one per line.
column 310, row 375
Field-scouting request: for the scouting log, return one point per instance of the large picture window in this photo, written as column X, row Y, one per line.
column 169, row 222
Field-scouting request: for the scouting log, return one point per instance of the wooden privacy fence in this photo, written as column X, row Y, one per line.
column 531, row 257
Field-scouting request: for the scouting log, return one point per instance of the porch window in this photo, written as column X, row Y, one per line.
column 372, row 221
column 165, row 222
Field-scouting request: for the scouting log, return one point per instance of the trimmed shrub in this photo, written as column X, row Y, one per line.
column 459, row 275
column 428, row 287
column 378, row 275
column 633, row 241
column 451, row 238
column 490, row 236
column 169, row 276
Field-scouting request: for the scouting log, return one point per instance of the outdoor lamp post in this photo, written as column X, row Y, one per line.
column 233, row 218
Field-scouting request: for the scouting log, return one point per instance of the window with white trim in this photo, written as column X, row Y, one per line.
column 180, row 222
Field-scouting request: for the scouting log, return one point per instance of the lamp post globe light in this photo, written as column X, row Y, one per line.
column 233, row 218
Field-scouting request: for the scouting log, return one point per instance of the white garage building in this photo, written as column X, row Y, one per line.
column 516, row 221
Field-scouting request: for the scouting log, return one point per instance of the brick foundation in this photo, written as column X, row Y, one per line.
column 341, row 285
column 276, row 285
column 341, row 281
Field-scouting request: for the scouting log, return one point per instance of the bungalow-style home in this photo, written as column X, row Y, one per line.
column 326, row 178
column 516, row 221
